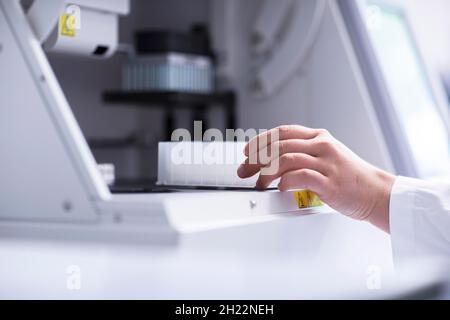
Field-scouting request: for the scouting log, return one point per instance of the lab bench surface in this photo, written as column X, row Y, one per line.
column 330, row 265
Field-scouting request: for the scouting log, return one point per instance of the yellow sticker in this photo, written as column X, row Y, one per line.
column 307, row 199
column 68, row 25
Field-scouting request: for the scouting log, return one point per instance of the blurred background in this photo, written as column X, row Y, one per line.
column 127, row 135
column 238, row 64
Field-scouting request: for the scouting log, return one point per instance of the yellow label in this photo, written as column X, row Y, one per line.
column 68, row 25
column 307, row 199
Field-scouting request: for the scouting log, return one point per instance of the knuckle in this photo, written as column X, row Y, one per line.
column 302, row 160
column 332, row 169
column 283, row 129
column 278, row 148
column 322, row 144
column 304, row 174
column 287, row 158
column 323, row 132
column 325, row 144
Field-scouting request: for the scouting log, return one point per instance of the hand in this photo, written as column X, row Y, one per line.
column 312, row 159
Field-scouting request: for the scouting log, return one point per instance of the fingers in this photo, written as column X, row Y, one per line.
column 279, row 134
column 302, row 157
column 253, row 164
column 305, row 179
column 286, row 163
column 247, row 170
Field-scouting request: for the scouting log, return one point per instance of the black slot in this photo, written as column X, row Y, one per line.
column 100, row 50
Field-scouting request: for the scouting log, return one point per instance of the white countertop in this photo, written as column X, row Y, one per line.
column 309, row 258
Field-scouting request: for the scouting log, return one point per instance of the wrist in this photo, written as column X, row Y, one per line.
column 379, row 215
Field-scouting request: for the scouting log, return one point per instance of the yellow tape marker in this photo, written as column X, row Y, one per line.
column 68, row 25
column 307, row 199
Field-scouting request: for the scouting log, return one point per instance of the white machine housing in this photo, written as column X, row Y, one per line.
column 96, row 30
column 50, row 183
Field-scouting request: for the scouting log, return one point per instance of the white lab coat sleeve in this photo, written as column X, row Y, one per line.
column 420, row 219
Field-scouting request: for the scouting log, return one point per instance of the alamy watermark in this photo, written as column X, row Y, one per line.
column 373, row 17
column 374, row 274
column 73, row 278
column 213, row 147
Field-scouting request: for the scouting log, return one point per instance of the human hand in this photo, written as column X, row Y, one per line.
column 313, row 159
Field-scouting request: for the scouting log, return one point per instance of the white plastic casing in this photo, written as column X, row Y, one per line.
column 121, row 7
column 98, row 29
column 96, row 33
column 202, row 164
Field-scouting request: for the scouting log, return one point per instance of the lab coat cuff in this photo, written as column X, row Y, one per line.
column 401, row 216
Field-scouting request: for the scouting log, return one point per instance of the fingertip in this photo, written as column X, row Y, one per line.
column 245, row 171
column 259, row 185
column 241, row 171
column 282, row 188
